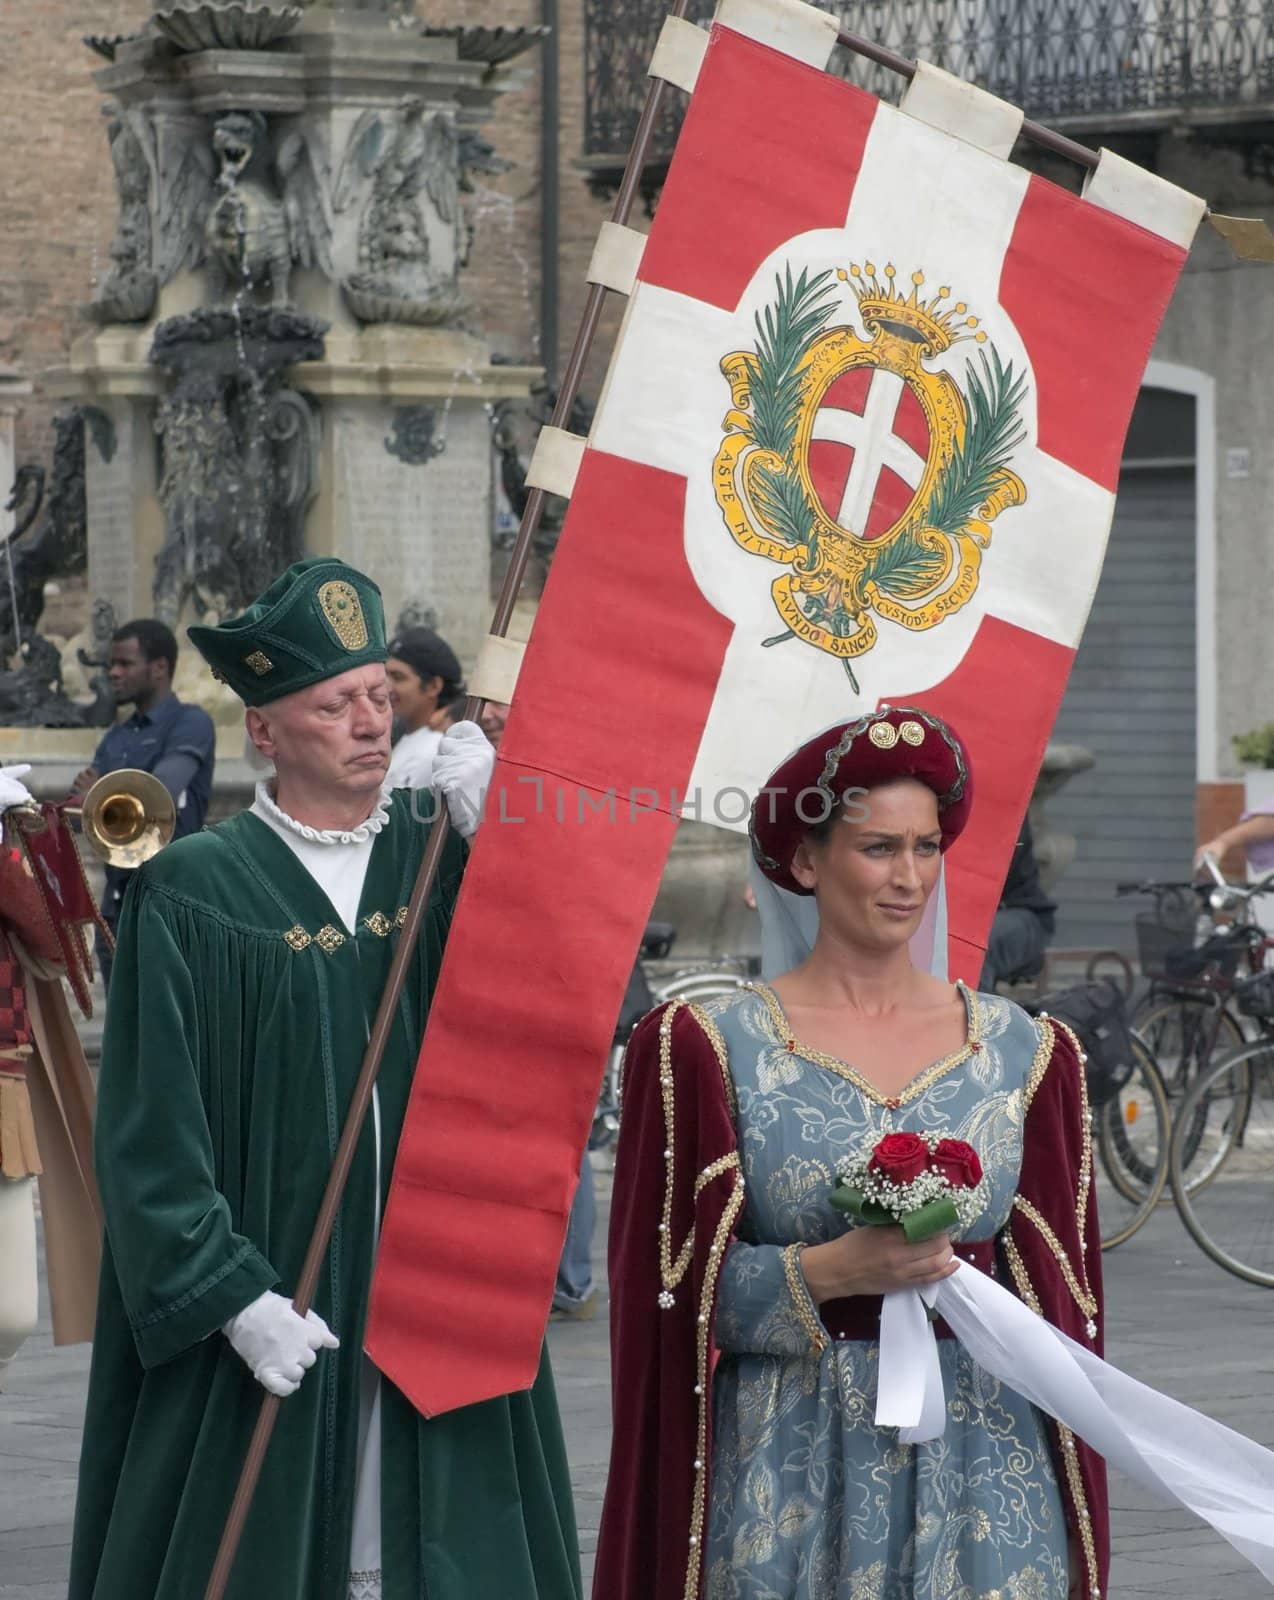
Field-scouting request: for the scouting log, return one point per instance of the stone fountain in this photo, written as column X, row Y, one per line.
column 281, row 359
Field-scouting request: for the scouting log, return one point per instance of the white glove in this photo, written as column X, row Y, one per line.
column 278, row 1346
column 463, row 764
column 13, row 792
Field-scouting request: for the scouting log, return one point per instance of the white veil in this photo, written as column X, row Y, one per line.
column 789, row 926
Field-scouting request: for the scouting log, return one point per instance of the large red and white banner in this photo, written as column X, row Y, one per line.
column 859, row 442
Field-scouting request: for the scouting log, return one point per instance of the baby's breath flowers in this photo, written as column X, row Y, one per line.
column 919, row 1181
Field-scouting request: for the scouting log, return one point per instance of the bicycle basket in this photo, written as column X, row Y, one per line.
column 1255, row 996
column 1165, row 945
column 1099, row 1018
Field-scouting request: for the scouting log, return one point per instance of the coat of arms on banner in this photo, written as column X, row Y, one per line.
column 872, row 478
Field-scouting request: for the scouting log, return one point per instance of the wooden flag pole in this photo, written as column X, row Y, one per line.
column 379, row 1035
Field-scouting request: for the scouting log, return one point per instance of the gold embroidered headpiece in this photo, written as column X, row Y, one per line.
column 320, row 618
column 888, row 743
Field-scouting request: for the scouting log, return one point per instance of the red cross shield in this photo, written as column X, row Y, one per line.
column 868, row 450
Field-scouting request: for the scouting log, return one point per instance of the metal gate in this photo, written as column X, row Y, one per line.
column 1131, row 696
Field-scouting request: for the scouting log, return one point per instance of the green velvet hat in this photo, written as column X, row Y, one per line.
column 319, row 619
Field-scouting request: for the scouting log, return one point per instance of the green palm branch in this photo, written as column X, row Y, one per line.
column 906, row 566
column 781, row 499
column 993, row 432
column 784, row 331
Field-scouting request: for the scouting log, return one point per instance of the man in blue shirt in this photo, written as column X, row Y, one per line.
column 176, row 742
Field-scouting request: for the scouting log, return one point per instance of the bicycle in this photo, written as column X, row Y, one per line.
column 1228, row 1113
column 697, row 981
column 1128, row 1107
column 1187, row 1016
column 1132, row 1127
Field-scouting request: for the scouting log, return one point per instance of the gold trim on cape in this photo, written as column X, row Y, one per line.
column 673, row 1272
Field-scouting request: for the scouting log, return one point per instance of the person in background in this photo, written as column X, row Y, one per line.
column 1254, row 831
column 494, row 716
column 46, row 1114
column 447, row 715
column 1025, row 921
column 164, row 736
column 424, row 675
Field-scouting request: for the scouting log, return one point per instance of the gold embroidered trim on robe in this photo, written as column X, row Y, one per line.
column 802, row 1300
column 972, row 1044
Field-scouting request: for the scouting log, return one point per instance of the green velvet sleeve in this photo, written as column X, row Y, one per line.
column 183, row 1269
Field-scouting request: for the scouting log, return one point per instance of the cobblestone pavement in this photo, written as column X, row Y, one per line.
column 1174, row 1320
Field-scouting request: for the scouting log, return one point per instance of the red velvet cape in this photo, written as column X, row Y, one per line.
column 678, row 1168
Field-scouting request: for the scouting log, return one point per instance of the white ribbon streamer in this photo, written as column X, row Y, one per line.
column 909, row 1393
column 1176, row 1453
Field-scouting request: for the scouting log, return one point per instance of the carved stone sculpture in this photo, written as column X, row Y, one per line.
column 128, row 293
column 50, row 539
column 504, row 441
column 410, row 167
column 238, row 452
column 416, row 614
column 93, row 662
column 253, row 233
column 32, row 693
column 224, row 24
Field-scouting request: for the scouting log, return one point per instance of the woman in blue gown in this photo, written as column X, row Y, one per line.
column 765, row 1303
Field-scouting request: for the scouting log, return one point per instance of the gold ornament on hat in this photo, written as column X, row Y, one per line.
column 344, row 611
column 883, row 735
column 912, row 733
column 259, row 662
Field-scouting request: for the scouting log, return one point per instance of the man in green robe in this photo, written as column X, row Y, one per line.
column 250, row 962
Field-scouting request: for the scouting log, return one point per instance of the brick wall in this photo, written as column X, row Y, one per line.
column 504, row 274
column 58, row 207
column 1218, row 806
column 57, row 192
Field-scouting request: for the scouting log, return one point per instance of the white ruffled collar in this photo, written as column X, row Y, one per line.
column 360, row 835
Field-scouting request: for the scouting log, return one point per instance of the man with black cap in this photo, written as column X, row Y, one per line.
column 424, row 676
column 251, row 958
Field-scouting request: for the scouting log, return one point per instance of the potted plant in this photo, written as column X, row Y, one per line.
column 1255, row 750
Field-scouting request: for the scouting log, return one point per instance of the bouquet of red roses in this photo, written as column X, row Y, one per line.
column 925, row 1184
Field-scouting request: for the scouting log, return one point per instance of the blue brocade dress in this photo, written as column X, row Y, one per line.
column 810, row 1500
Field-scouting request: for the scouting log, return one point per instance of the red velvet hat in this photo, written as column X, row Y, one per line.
column 889, row 743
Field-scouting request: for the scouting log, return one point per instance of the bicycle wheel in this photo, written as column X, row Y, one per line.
column 1114, row 968
column 693, row 984
column 697, row 985
column 606, row 1115
column 1131, row 1132
column 1232, row 1218
column 1185, row 1037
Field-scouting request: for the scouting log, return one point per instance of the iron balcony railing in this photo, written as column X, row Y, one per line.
column 1075, row 63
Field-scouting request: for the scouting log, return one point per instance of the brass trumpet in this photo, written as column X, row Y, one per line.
column 127, row 817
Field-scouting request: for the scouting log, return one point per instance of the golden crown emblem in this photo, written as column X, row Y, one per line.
column 839, row 573
column 884, row 303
